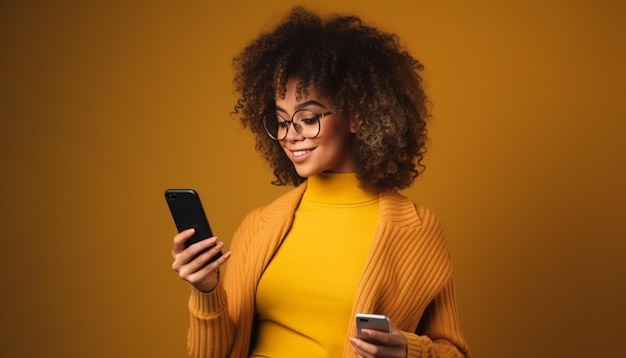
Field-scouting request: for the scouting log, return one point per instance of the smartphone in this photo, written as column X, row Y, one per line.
column 187, row 211
column 371, row 321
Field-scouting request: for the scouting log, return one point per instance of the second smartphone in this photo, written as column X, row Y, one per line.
column 376, row 322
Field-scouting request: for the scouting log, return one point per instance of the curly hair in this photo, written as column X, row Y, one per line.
column 361, row 70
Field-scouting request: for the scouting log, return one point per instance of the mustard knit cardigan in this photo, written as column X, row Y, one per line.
column 408, row 277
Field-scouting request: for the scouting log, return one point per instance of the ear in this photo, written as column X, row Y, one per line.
column 353, row 125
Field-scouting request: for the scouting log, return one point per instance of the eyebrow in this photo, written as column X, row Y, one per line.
column 302, row 105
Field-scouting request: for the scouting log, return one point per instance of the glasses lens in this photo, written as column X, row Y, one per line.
column 304, row 121
column 275, row 126
column 307, row 123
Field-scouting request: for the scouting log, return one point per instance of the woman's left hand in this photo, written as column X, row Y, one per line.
column 381, row 344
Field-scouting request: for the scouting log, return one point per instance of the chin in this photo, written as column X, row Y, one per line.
column 305, row 172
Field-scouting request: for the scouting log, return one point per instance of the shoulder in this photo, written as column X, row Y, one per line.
column 401, row 210
column 267, row 220
column 284, row 205
column 415, row 231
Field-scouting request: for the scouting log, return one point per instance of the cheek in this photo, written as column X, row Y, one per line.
column 336, row 127
column 283, row 144
column 283, row 148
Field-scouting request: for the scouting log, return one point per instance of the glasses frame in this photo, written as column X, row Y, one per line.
column 296, row 126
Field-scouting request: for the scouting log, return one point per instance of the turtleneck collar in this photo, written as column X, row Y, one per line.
column 337, row 188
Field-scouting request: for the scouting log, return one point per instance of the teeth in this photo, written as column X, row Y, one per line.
column 300, row 153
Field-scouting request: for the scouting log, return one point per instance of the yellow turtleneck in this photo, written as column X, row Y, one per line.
column 305, row 296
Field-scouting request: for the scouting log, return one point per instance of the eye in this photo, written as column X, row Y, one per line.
column 310, row 120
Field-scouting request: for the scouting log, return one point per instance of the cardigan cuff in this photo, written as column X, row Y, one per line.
column 207, row 304
column 414, row 348
column 422, row 346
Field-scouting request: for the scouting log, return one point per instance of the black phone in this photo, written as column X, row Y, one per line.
column 187, row 211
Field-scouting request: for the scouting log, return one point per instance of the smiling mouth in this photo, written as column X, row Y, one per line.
column 299, row 153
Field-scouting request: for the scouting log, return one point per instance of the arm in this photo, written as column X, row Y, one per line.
column 210, row 328
column 438, row 335
column 221, row 320
column 211, row 331
column 439, row 332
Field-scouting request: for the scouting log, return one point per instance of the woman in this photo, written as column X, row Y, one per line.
column 339, row 112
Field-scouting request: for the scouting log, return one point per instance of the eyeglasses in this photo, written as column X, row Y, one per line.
column 304, row 121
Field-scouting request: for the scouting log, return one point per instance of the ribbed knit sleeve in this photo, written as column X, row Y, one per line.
column 221, row 320
column 211, row 330
column 439, row 333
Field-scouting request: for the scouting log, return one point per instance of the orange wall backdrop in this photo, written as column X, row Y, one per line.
column 104, row 104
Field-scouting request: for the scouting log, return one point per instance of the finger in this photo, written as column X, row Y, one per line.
column 205, row 270
column 186, row 256
column 371, row 336
column 206, row 254
column 384, row 338
column 197, row 256
column 379, row 344
column 179, row 241
column 363, row 348
column 356, row 345
column 206, row 279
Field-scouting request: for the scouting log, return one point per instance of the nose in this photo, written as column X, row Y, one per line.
column 292, row 133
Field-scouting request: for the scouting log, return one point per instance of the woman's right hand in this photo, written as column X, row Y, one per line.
column 196, row 271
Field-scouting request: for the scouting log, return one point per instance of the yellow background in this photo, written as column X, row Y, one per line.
column 104, row 104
